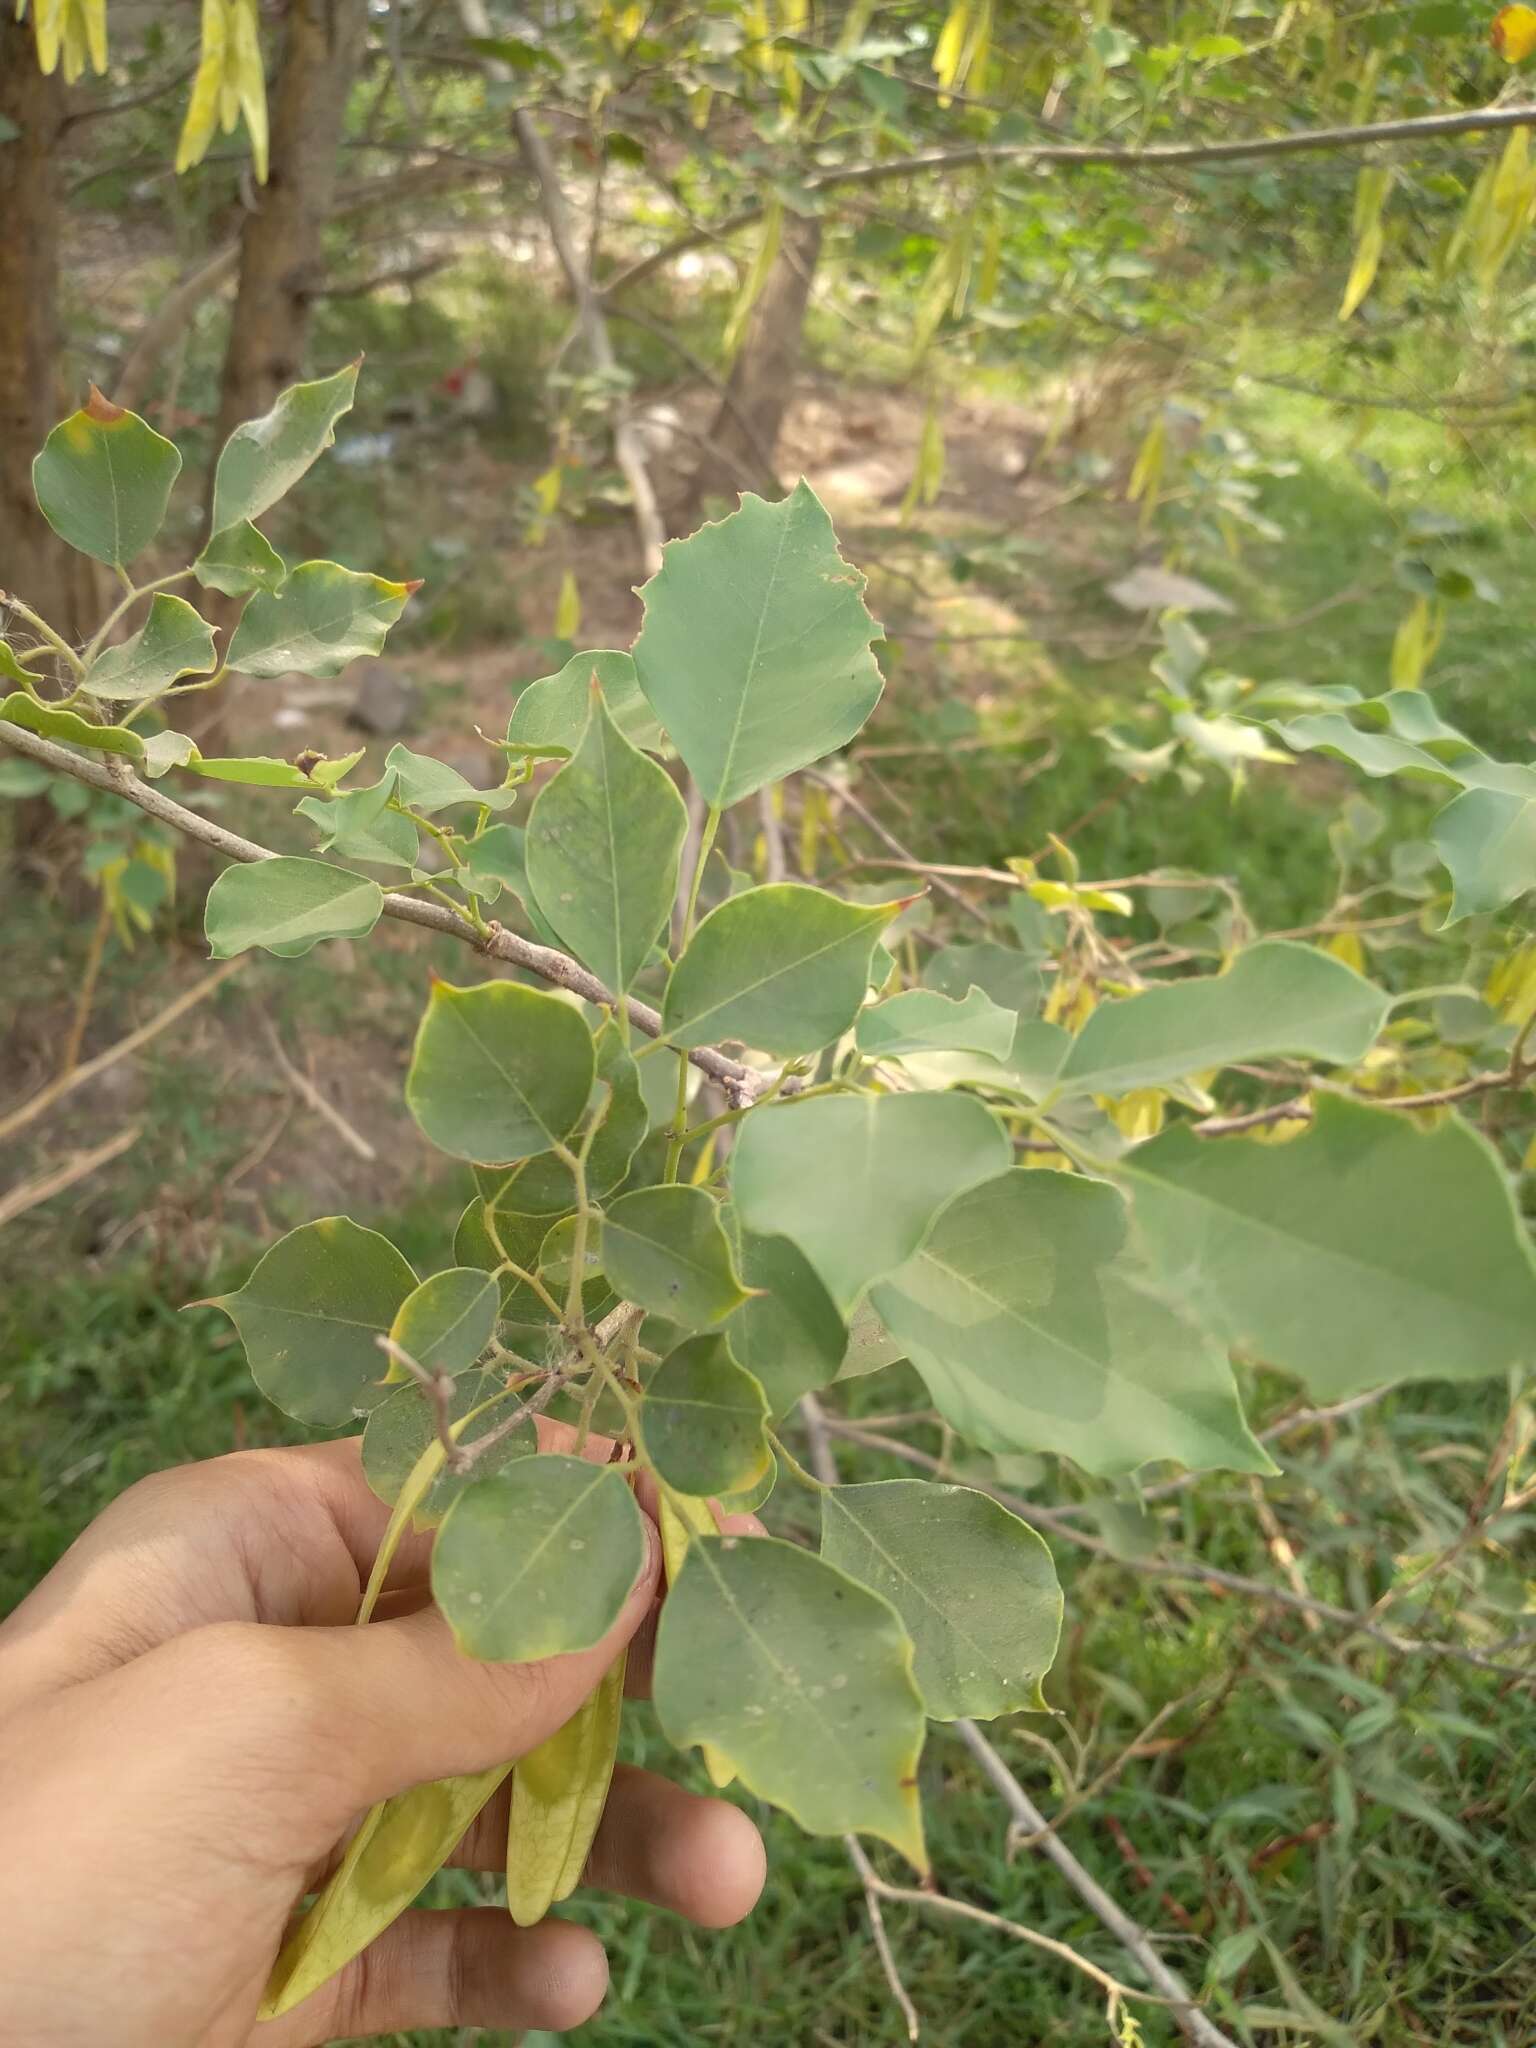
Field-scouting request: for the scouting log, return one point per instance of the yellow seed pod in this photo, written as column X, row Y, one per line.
column 682, row 1517
column 558, row 1794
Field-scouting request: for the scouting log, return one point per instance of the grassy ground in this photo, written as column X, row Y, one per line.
column 1334, row 1843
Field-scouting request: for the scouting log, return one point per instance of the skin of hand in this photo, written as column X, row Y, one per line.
column 190, row 1725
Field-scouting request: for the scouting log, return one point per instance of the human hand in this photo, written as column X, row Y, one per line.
column 189, row 1725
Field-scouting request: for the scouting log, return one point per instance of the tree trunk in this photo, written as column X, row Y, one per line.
column 745, row 430
column 34, row 563
column 282, row 259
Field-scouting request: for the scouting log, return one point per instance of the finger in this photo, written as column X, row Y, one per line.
column 285, row 1536
column 699, row 1857
column 470, row 1968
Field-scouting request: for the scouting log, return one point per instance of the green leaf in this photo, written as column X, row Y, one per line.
column 240, row 560
column 172, row 642
column 783, row 968
column 69, row 726
column 557, row 1254
column 311, row 1314
column 164, row 751
column 802, row 1681
column 323, row 617
column 664, row 1248
column 537, row 1560
column 358, row 824
column 754, row 653
column 789, row 1336
column 1365, row 1251
column 544, row 1186
column 11, row 670
column 604, row 840
column 1010, row 977
column 1487, row 839
column 401, row 1428
column 262, row 771
column 974, row 1586
column 428, row 785
column 103, row 481
column 703, row 1420
column 263, row 459
column 550, row 715
column 487, row 1234
column 1276, row 998
column 1035, row 1331
column 287, row 905
column 921, row 1020
column 447, row 1322
column 871, row 1347
column 856, row 1180
column 499, row 1072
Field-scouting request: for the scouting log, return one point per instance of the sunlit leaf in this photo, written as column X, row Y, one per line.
column 263, row 459
column 103, row 481
column 239, row 560
column 321, row 619
column 428, row 785
column 551, row 714
column 287, row 905
column 172, row 642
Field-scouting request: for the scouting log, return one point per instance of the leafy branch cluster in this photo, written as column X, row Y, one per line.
column 750, row 1137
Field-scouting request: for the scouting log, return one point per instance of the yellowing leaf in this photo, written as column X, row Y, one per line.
column 568, row 609
column 928, row 473
column 756, row 278
column 1370, row 197
column 1346, row 946
column 1513, row 33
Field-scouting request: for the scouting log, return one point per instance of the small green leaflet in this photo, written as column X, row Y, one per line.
column 782, row 673
column 262, row 771
column 311, row 1315
column 103, row 481
column 665, row 1249
column 538, row 1559
column 550, row 715
column 499, row 1072
column 703, row 1420
column 1035, row 1331
column 1361, row 1252
column 789, row 1335
column 263, row 459
column 783, row 968
column 604, row 839
column 974, row 1586
column 921, row 1020
column 856, row 1180
column 1487, row 839
column 172, row 642
column 1276, row 998
column 240, row 560
column 287, row 905
column 11, row 670
column 26, row 711
column 446, row 1322
column 801, row 1680
column 323, row 618
column 428, row 785
column 358, row 824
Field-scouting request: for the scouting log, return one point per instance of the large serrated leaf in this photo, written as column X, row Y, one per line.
column 1034, row 1330
column 755, row 651
column 1364, row 1251
column 103, row 481
column 801, row 1680
column 856, row 1180
column 604, row 840
column 311, row 1315
column 974, row 1586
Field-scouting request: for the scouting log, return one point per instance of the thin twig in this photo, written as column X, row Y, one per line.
column 54, row 1182
column 1134, row 1938
column 85, row 997
column 62, row 1084
column 888, row 839
column 870, row 1880
column 303, row 1086
column 438, row 1387
column 740, row 1084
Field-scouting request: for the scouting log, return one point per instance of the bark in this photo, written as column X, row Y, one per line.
column 282, row 257
column 745, row 430
column 34, row 563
